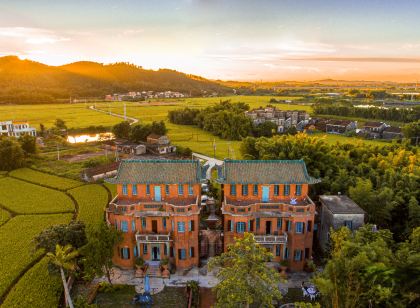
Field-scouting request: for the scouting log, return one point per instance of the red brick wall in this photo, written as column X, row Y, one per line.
column 180, row 240
column 141, row 191
column 272, row 197
column 294, row 240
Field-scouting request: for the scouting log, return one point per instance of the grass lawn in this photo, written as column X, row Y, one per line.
column 170, row 297
column 25, row 198
column 16, row 246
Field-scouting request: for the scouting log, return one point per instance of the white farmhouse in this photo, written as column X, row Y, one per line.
column 16, row 129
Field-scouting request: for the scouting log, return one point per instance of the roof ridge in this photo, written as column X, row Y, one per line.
column 160, row 160
column 264, row 161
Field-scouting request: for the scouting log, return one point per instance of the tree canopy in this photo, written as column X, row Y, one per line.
column 244, row 276
column 381, row 179
column 72, row 234
column 11, row 154
column 368, row 269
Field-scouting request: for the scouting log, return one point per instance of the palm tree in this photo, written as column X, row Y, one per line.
column 64, row 259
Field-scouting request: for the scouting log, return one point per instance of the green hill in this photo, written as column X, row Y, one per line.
column 29, row 82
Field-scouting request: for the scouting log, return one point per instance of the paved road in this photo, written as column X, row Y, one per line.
column 130, row 119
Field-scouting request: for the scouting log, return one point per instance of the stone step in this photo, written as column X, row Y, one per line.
column 154, row 271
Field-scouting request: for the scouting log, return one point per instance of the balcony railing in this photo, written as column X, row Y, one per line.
column 271, row 239
column 153, row 238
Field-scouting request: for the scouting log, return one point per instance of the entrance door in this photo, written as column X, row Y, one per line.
column 268, row 227
column 155, row 253
column 265, row 193
column 158, row 196
column 154, row 226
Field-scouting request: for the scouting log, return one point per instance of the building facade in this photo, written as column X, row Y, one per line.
column 157, row 209
column 338, row 211
column 340, row 126
column 269, row 199
column 16, row 129
column 284, row 119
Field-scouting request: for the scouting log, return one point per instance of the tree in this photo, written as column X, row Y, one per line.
column 159, row 128
column 266, row 129
column 60, row 124
column 413, row 213
column 140, row 132
column 42, row 130
column 244, row 277
column 28, row 144
column 412, row 131
column 64, row 259
column 72, row 234
column 359, row 273
column 122, row 130
column 11, row 154
column 183, row 151
column 248, row 149
column 407, row 271
column 97, row 254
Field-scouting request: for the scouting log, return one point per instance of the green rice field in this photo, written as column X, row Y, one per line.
column 16, row 247
column 40, row 289
column 25, row 198
column 44, row 179
column 34, row 206
column 92, row 200
column 4, row 216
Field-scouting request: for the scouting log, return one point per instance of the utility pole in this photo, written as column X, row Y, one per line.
column 125, row 112
column 58, row 152
column 214, row 147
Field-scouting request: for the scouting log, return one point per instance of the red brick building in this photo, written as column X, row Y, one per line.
column 157, row 209
column 270, row 199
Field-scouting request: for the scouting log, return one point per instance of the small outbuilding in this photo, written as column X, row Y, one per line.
column 338, row 211
column 100, row 172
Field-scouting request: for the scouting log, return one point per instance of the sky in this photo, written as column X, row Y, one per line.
column 223, row 39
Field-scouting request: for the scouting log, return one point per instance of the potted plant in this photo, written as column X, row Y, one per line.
column 310, row 266
column 284, row 264
column 141, row 267
column 164, row 264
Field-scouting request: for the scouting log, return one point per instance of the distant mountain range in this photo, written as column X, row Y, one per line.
column 29, row 82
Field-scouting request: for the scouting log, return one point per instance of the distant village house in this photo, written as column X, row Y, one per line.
column 340, row 126
column 16, row 129
column 284, row 119
column 159, row 144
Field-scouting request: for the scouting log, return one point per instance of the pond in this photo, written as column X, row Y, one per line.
column 89, row 137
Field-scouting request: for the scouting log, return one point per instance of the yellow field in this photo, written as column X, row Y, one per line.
column 79, row 116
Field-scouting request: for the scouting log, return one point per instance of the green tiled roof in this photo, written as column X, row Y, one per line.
column 136, row 171
column 265, row 172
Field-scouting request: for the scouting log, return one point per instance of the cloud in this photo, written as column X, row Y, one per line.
column 132, row 31
column 359, row 59
column 35, row 36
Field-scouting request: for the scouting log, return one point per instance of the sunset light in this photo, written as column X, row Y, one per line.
column 240, row 40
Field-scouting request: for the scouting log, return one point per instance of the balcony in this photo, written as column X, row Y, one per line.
column 271, row 239
column 257, row 202
column 153, row 238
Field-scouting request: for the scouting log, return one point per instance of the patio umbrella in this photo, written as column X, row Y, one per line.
column 147, row 284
